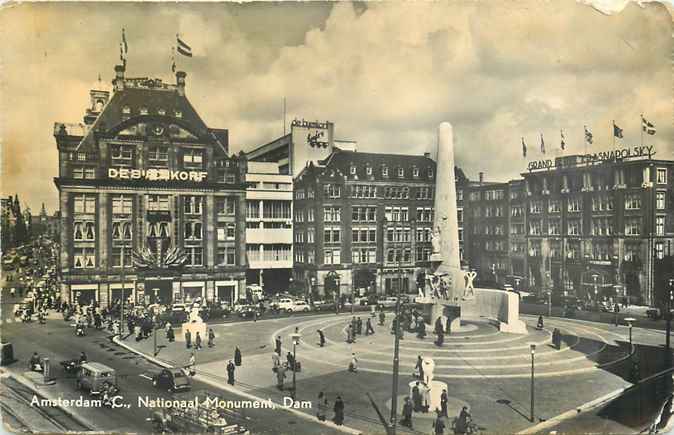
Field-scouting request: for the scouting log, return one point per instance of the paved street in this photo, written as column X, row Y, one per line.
column 57, row 341
column 483, row 369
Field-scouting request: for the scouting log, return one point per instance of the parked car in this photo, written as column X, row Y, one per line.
column 654, row 313
column 299, row 306
column 249, row 311
column 92, row 377
column 323, row 305
column 171, row 380
column 283, row 304
column 388, row 302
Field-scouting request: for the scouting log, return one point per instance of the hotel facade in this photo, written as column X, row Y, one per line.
column 152, row 205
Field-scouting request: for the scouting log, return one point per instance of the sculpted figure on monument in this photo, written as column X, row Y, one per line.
column 194, row 315
column 470, row 290
column 436, row 240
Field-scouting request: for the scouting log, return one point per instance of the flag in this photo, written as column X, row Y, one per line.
column 126, row 46
column 524, row 148
column 173, row 60
column 563, row 143
column 617, row 131
column 183, row 48
column 646, row 126
column 588, row 135
column 542, row 144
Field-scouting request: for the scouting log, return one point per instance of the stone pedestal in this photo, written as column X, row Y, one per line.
column 431, row 311
column 431, row 394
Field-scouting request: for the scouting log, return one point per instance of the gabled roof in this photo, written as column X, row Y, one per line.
column 153, row 100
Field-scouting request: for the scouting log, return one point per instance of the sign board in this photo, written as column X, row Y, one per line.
column 600, row 157
column 155, row 174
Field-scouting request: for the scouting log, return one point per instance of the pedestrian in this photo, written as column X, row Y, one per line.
column 416, row 398
column 276, row 362
column 349, row 334
column 539, row 325
column 439, row 331
column 321, row 337
column 277, row 344
column 191, row 363
column 420, row 367
column 237, row 356
column 170, row 335
column 359, row 326
column 443, row 403
column 321, row 403
column 197, row 341
column 616, row 310
column 230, row 372
column 354, row 326
column 368, row 327
column 211, row 337
column 338, row 419
column 290, row 361
column 407, row 413
column 421, row 329
column 280, row 376
column 188, row 338
column 439, row 425
column 353, row 365
column 382, row 317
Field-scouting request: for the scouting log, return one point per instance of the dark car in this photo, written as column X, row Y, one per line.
column 175, row 317
column 172, row 380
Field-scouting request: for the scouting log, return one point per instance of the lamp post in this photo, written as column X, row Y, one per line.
column 533, row 352
column 296, row 340
column 596, row 292
column 629, row 321
column 338, row 293
column 154, row 323
column 670, row 299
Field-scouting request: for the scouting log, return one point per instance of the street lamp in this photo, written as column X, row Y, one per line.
column 338, row 293
column 296, row 340
column 533, row 352
column 629, row 321
column 596, row 292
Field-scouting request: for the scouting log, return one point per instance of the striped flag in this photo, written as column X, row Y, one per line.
column 524, row 148
column 563, row 142
column 588, row 135
column 646, row 126
column 183, row 48
column 617, row 131
column 542, row 144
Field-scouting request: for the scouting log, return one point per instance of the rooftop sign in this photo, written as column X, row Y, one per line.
column 600, row 157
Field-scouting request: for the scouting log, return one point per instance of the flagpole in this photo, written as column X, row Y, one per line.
column 641, row 129
column 613, row 132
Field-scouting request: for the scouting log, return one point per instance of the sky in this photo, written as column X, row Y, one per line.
column 385, row 73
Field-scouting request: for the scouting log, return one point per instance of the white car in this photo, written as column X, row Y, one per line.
column 179, row 307
column 389, row 302
column 285, row 304
column 299, row 306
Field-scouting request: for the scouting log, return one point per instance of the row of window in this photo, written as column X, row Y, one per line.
column 85, row 257
column 143, row 110
column 600, row 227
column 400, row 171
column 123, row 204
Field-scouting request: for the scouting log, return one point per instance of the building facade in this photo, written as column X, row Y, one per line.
column 364, row 223
column 152, row 206
column 592, row 226
column 269, row 226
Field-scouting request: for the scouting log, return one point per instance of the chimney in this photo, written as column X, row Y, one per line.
column 180, row 82
column 118, row 82
column 481, row 178
column 427, row 155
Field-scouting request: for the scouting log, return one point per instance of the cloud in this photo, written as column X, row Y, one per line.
column 386, row 73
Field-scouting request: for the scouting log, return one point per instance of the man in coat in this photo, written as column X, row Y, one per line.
column 188, row 338
column 197, row 341
column 211, row 337
column 237, row 356
column 321, row 337
column 277, row 347
column 417, row 398
column 338, row 419
column 368, row 327
column 280, row 376
column 230, row 372
column 407, row 413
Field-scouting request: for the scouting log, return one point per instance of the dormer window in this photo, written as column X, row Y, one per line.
column 178, row 114
column 126, row 110
column 384, row 171
column 368, row 170
column 352, row 170
column 415, row 172
column 143, row 110
column 161, row 112
column 193, row 158
column 430, row 172
column 401, row 172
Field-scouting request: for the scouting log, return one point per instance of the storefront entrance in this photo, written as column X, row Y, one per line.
column 84, row 296
column 159, row 291
column 225, row 294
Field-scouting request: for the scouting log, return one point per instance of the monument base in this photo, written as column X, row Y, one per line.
column 193, row 327
column 499, row 307
column 430, row 394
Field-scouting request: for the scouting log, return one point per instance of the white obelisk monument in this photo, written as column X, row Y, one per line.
column 445, row 221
